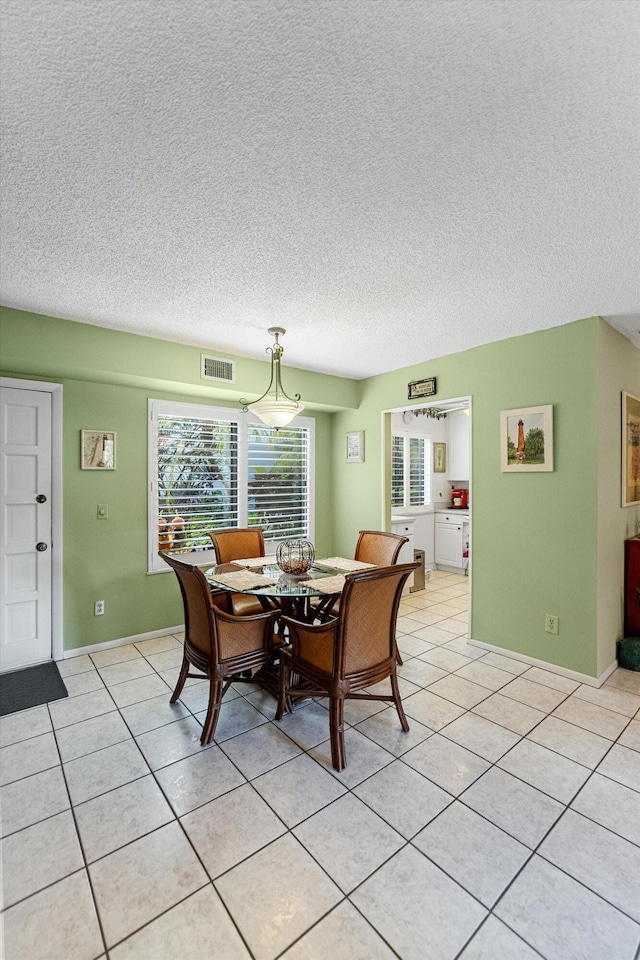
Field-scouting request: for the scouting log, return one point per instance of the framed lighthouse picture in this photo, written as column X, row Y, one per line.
column 526, row 439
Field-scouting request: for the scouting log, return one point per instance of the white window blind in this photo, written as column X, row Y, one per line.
column 278, row 481
column 417, row 478
column 211, row 468
column 197, row 478
column 397, row 472
column 410, row 470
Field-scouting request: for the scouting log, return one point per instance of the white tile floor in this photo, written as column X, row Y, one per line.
column 505, row 825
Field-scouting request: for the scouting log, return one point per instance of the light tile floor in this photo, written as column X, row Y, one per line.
column 505, row 825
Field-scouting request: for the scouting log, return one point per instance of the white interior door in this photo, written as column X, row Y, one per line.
column 25, row 543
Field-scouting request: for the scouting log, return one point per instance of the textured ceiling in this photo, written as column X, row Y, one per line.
column 390, row 180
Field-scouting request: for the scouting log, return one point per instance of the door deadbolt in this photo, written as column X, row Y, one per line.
column 41, row 498
column 41, row 547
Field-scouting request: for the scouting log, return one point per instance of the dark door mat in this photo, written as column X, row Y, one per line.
column 30, row 687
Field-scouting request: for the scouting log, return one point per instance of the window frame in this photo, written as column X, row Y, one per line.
column 206, row 411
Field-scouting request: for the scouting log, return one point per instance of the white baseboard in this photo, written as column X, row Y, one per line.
column 108, row 644
column 544, row 665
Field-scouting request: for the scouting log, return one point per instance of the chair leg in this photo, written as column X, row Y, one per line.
column 397, row 701
column 283, row 682
column 184, row 669
column 336, row 732
column 213, row 711
column 398, row 657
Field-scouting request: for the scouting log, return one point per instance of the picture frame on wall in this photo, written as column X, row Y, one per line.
column 98, row 450
column 355, row 447
column 439, row 457
column 630, row 449
column 526, row 439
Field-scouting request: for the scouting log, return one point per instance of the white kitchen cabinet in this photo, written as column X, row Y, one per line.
column 458, row 453
column 451, row 540
column 403, row 527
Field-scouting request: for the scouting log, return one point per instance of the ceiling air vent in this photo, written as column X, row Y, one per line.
column 214, row 368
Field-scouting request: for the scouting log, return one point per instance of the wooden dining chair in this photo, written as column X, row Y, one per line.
column 383, row 549
column 239, row 543
column 223, row 647
column 340, row 657
column 380, row 548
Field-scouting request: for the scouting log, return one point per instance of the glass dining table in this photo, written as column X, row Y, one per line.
column 308, row 596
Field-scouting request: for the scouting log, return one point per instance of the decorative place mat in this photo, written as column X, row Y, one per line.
column 257, row 562
column 341, row 563
column 242, row 580
column 326, row 584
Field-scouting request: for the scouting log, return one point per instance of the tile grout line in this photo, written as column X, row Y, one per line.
column 177, row 820
column 81, row 845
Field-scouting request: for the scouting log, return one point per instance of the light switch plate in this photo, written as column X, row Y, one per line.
column 103, row 511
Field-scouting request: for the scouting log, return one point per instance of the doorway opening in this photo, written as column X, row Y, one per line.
column 428, row 484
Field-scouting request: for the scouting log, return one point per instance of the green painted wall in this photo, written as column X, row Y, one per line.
column 47, row 347
column 533, row 535
column 107, row 560
column 618, row 370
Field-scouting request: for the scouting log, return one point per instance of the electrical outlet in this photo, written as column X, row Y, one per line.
column 98, row 608
column 551, row 623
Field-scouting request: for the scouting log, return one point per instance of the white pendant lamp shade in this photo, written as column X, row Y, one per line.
column 274, row 407
column 276, row 413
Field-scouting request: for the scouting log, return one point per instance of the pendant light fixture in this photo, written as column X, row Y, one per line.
column 275, row 407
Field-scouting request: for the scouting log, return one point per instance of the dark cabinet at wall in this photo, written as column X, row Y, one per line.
column 631, row 585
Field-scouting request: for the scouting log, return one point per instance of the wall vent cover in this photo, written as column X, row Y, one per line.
column 215, row 368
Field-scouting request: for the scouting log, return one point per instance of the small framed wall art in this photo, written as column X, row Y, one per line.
column 421, row 388
column 526, row 439
column 355, row 447
column 98, row 450
column 630, row 449
column 439, row 458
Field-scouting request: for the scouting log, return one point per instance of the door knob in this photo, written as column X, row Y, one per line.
column 41, row 547
column 41, row 498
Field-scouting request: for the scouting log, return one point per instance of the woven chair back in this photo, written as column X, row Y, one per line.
column 237, row 543
column 376, row 546
column 198, row 612
column 368, row 615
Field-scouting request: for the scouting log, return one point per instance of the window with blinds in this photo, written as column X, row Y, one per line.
column 410, row 470
column 417, row 478
column 197, row 479
column 278, row 481
column 397, row 472
column 211, row 468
